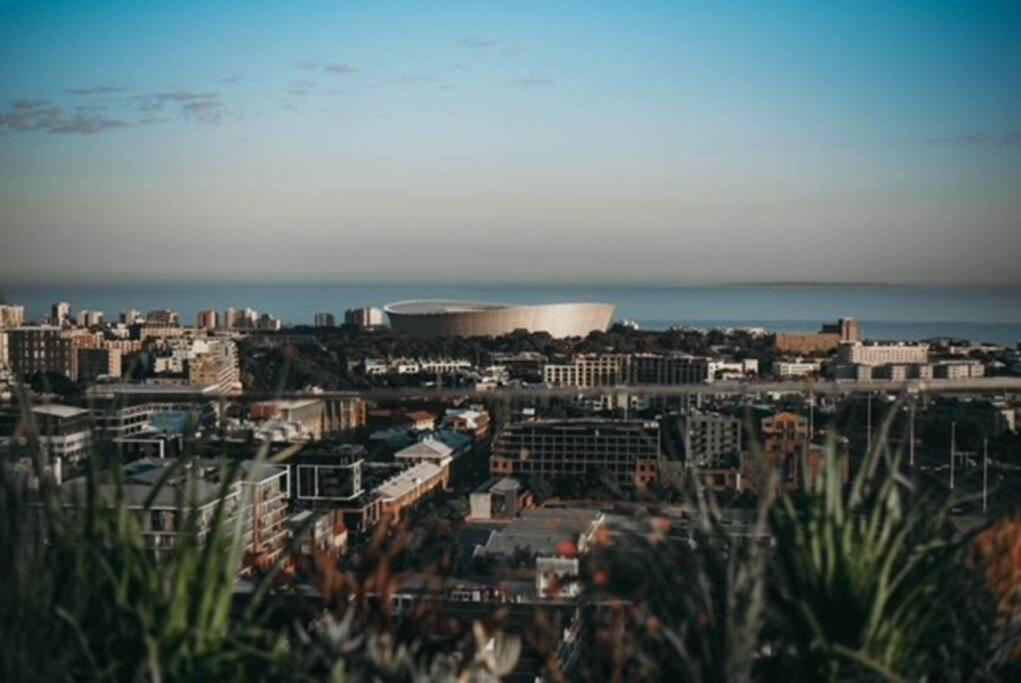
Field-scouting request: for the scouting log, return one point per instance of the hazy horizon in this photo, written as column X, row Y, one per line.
column 615, row 142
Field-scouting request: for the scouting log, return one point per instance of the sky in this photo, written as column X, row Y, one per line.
column 533, row 141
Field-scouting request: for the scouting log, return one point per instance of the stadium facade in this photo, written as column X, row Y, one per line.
column 473, row 319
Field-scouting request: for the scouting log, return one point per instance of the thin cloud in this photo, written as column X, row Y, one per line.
column 205, row 111
column 86, row 125
column 476, row 43
column 233, row 78
column 531, row 82
column 96, row 90
column 40, row 116
column 204, row 107
column 339, row 68
column 999, row 140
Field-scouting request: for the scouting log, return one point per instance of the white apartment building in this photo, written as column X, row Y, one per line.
column 873, row 354
column 796, row 368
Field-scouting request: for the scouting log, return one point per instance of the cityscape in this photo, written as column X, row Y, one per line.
column 529, row 342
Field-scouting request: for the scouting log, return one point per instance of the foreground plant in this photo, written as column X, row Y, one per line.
column 874, row 582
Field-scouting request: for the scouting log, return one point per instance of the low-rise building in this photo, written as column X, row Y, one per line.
column 497, row 499
column 323, row 478
column 788, row 369
column 306, row 414
column 405, row 489
column 874, row 353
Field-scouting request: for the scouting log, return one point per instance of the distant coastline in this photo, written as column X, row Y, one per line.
column 817, row 283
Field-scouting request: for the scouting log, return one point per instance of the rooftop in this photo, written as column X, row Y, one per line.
column 407, row 480
column 58, row 410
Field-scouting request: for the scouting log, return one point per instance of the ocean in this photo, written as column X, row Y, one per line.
column 990, row 314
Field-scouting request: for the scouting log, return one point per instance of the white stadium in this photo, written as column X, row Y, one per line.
column 474, row 319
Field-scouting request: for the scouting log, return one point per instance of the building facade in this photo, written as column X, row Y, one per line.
column 627, row 451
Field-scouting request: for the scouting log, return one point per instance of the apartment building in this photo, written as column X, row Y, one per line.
column 324, row 320
column 208, row 319
column 874, row 354
column 343, row 414
column 327, row 477
column 627, row 451
column 407, row 488
column 364, row 317
column 11, row 316
column 597, row 370
column 168, row 503
column 41, row 349
column 711, row 440
column 101, row 362
column 64, row 432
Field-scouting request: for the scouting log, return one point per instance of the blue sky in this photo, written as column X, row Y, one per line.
column 541, row 141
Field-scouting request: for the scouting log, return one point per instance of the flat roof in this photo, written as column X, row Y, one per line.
column 58, row 410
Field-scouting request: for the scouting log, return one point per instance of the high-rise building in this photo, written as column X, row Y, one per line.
column 60, row 313
column 163, row 316
column 626, row 451
column 87, row 318
column 207, row 320
column 268, row 323
column 324, row 320
column 41, row 349
column 231, row 318
column 711, row 440
column 11, row 316
column 364, row 317
column 131, row 316
column 99, row 362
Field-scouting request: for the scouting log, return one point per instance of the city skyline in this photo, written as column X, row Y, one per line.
column 577, row 142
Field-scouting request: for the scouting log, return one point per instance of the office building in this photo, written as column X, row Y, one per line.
column 324, row 320
column 626, row 451
column 825, row 341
